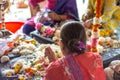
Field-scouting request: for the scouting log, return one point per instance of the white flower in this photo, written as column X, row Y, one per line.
column 4, row 59
column 95, row 34
column 97, row 20
column 100, row 49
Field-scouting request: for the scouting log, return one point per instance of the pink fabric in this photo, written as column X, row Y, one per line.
column 33, row 3
column 92, row 66
column 55, row 71
column 72, row 69
column 31, row 22
column 90, row 63
column 50, row 4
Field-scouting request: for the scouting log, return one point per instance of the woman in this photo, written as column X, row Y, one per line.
column 76, row 64
column 110, row 14
column 58, row 10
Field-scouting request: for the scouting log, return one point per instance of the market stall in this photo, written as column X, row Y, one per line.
column 22, row 57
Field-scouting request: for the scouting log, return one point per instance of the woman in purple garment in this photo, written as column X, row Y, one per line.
column 57, row 10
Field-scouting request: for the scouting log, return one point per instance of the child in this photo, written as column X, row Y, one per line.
column 76, row 64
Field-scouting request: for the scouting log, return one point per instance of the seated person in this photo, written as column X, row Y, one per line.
column 76, row 64
column 57, row 10
column 110, row 14
column 113, row 70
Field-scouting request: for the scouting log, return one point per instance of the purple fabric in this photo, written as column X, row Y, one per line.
column 60, row 7
column 28, row 28
column 67, row 6
column 74, row 67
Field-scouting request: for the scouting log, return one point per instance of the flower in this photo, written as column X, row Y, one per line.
column 96, row 25
column 30, row 71
column 38, row 26
column 49, row 31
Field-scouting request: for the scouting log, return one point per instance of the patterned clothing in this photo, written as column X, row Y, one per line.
column 87, row 66
column 110, row 13
column 60, row 7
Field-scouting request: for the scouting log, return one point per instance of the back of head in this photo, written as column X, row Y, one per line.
column 73, row 36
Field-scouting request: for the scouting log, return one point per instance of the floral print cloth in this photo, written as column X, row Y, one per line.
column 110, row 13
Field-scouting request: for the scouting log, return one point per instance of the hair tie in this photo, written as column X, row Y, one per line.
column 80, row 45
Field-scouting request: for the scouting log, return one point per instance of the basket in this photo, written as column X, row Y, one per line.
column 13, row 26
column 37, row 36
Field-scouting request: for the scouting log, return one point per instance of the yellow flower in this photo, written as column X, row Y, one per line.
column 22, row 78
column 17, row 68
column 9, row 74
column 38, row 66
column 102, row 32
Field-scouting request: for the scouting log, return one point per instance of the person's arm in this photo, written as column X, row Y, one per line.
column 50, row 54
column 57, row 17
column 89, row 12
column 109, row 7
column 55, row 71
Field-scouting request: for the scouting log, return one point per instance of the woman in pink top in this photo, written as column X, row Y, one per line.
column 76, row 64
column 58, row 10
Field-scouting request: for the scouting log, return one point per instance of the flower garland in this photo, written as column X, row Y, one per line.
column 96, row 25
column 2, row 17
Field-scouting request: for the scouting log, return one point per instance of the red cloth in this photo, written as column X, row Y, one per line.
column 90, row 64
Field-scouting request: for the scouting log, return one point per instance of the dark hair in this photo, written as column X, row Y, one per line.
column 118, row 2
column 72, row 34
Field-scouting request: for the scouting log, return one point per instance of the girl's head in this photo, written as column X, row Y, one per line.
column 73, row 37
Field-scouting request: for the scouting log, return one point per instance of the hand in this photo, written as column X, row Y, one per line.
column 54, row 16
column 50, row 54
column 36, row 9
column 85, row 17
column 88, row 23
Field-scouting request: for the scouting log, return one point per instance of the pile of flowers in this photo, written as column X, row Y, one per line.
column 31, row 62
column 48, row 32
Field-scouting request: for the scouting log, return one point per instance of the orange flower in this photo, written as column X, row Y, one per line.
column 98, row 8
column 6, row 52
column 11, row 44
column 94, row 49
column 30, row 71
